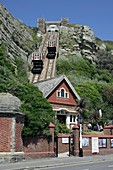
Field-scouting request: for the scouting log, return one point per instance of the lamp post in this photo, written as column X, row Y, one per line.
column 80, row 139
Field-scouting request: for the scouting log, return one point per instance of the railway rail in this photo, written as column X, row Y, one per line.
column 49, row 65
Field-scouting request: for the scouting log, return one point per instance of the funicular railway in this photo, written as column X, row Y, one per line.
column 44, row 59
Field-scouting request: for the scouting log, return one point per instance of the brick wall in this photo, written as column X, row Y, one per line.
column 108, row 130
column 35, row 147
column 41, row 146
column 5, row 133
column 87, row 150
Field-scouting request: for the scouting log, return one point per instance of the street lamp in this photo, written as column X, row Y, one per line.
column 80, row 144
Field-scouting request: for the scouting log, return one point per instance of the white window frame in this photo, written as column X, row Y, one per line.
column 66, row 94
column 62, row 112
column 73, row 118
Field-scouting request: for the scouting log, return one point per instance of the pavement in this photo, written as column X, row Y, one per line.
column 63, row 155
column 62, row 160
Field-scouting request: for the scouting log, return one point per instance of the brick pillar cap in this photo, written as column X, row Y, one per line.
column 51, row 125
column 75, row 127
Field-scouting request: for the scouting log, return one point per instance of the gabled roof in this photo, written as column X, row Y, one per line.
column 47, row 86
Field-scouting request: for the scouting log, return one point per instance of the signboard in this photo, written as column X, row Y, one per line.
column 111, row 143
column 103, row 143
column 65, row 140
column 95, row 147
column 85, row 141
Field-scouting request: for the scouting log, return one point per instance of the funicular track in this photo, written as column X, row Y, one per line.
column 48, row 64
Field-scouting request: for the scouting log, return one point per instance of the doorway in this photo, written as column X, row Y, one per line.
column 61, row 119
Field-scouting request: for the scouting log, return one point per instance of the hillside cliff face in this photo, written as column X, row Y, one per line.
column 80, row 40
column 16, row 35
column 74, row 39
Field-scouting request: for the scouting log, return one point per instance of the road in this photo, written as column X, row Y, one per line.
column 97, row 162
column 91, row 165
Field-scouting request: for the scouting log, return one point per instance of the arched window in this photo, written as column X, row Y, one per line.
column 62, row 93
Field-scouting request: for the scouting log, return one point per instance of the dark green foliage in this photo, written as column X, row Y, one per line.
column 90, row 93
column 37, row 40
column 6, row 67
column 105, row 61
column 61, row 128
column 109, row 45
column 38, row 112
column 94, row 84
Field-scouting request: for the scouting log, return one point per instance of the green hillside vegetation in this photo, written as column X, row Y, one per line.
column 38, row 112
column 94, row 85
column 109, row 45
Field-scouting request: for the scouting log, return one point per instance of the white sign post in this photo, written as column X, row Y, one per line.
column 95, row 147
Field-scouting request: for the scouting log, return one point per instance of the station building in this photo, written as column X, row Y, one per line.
column 63, row 98
column 42, row 24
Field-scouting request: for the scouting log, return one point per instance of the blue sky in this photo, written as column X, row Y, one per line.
column 98, row 14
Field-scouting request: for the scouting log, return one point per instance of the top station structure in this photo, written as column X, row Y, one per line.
column 42, row 24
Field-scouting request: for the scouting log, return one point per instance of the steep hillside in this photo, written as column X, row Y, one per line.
column 87, row 62
column 19, row 39
column 85, row 59
column 16, row 43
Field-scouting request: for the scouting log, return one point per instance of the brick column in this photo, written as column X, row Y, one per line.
column 11, row 125
column 11, row 145
column 41, row 25
column 76, row 137
column 51, row 140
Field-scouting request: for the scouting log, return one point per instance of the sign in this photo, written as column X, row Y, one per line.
column 102, row 143
column 65, row 140
column 85, row 141
column 111, row 143
column 95, row 147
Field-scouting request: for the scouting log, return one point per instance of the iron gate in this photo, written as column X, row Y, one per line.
column 70, row 146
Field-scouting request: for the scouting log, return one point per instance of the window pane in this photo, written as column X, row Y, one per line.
column 62, row 92
column 73, row 118
column 70, row 118
column 58, row 94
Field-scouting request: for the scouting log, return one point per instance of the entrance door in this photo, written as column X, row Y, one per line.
column 61, row 118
